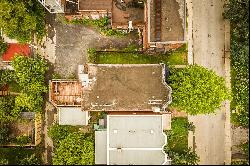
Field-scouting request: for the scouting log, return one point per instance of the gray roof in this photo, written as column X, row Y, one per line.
column 132, row 139
column 100, row 147
column 136, row 157
column 72, row 116
column 135, row 131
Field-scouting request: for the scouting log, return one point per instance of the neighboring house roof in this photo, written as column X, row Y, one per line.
column 15, row 48
column 98, row 5
column 132, row 139
column 65, row 92
column 127, row 88
column 72, row 116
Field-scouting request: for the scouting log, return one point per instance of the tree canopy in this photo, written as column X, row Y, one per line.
column 59, row 132
column 197, row 90
column 7, row 104
column 76, row 149
column 20, row 19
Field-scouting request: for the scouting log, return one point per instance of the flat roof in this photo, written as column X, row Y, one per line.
column 135, row 139
column 101, row 147
column 135, row 131
column 126, row 88
column 136, row 157
column 95, row 5
column 168, row 24
column 72, row 116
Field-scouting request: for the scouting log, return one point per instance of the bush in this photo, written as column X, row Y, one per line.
column 23, row 140
column 197, row 90
column 75, row 149
column 177, row 143
column 30, row 160
column 22, row 19
column 4, row 133
column 59, row 132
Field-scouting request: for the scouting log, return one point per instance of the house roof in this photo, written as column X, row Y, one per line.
column 132, row 139
column 126, row 88
column 15, row 48
column 95, row 5
column 72, row 116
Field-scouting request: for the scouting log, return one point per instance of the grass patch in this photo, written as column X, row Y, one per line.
column 102, row 24
column 178, row 135
column 134, row 57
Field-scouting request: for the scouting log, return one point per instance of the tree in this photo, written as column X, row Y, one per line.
column 76, row 149
column 197, row 90
column 237, row 11
column 7, row 112
column 28, row 103
column 30, row 73
column 59, row 132
column 20, row 19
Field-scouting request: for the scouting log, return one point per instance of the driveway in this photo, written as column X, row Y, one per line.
column 211, row 138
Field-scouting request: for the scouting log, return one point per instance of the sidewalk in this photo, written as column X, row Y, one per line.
column 209, row 46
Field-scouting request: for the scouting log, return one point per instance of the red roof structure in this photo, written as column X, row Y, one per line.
column 15, row 48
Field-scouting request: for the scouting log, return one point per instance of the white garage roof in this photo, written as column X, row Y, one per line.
column 72, row 116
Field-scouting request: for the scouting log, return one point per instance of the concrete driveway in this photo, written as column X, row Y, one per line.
column 212, row 133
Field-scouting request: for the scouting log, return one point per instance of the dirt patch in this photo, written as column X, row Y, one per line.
column 239, row 135
column 21, row 127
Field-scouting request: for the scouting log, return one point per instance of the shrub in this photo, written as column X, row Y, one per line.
column 197, row 90
column 237, row 11
column 30, row 160
column 23, row 140
column 75, row 149
column 4, row 133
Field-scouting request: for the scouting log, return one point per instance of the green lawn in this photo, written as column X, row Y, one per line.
column 174, row 58
column 178, row 136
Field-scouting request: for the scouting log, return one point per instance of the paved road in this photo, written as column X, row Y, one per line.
column 208, row 50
